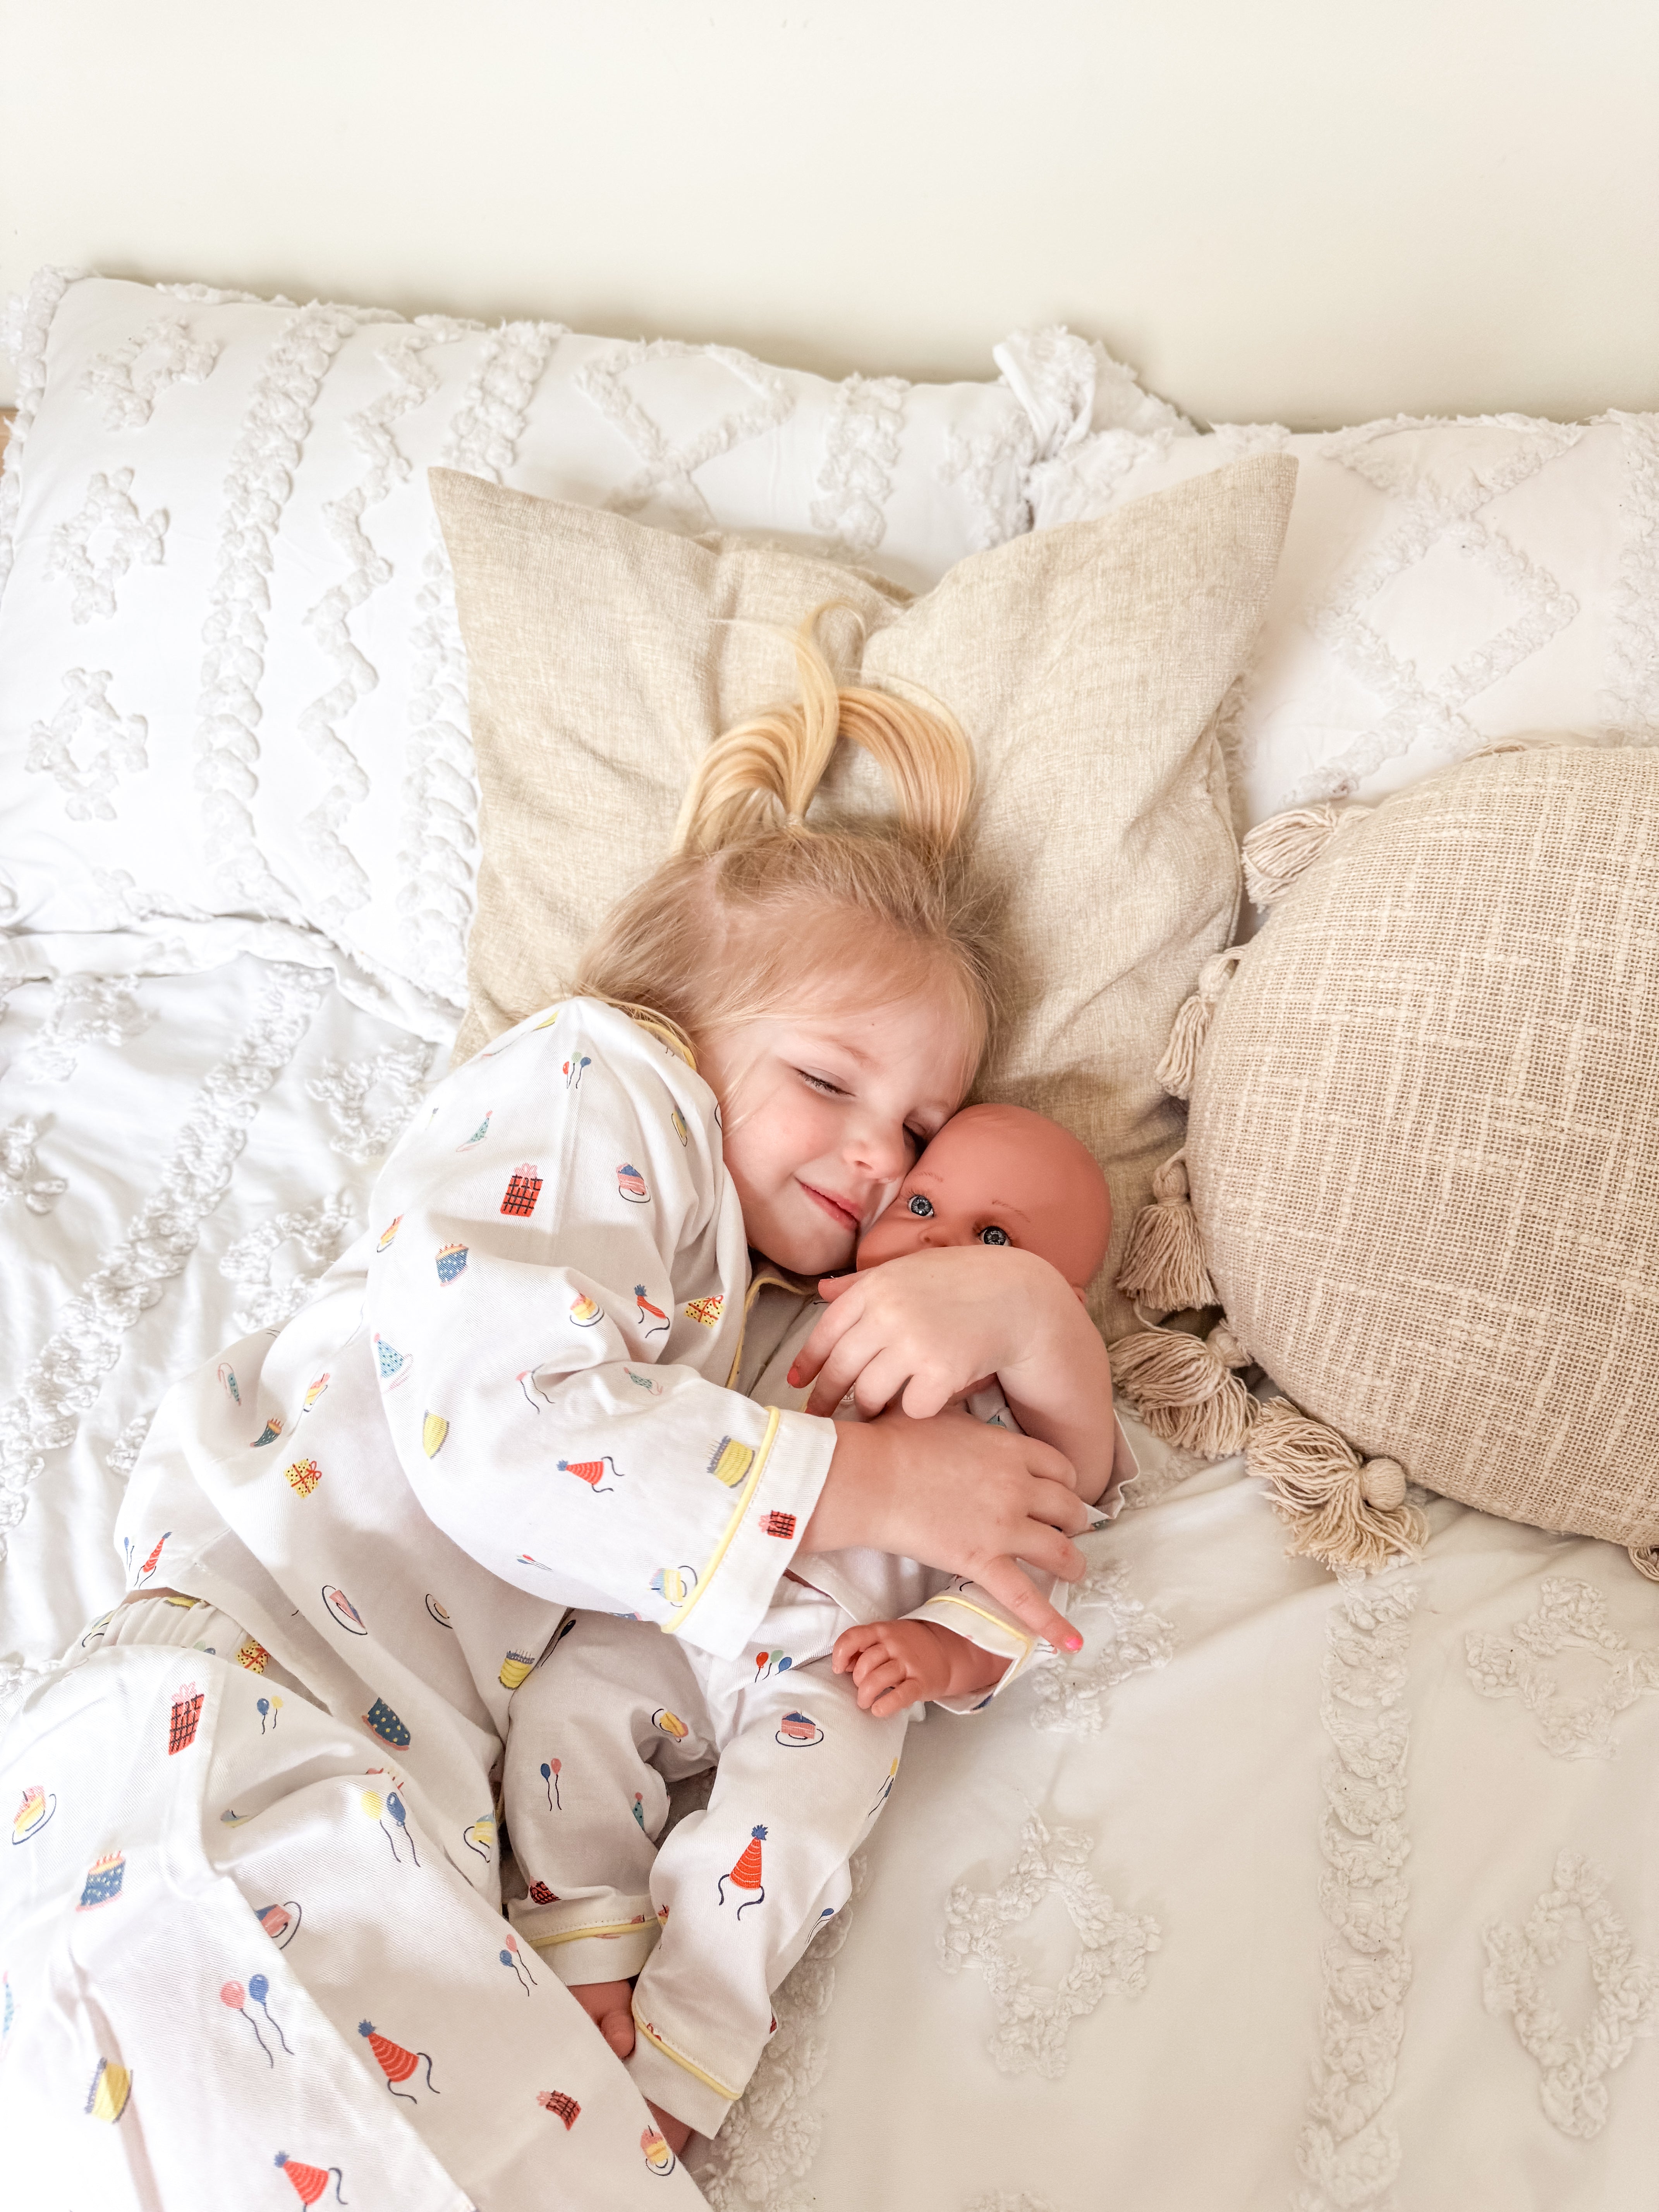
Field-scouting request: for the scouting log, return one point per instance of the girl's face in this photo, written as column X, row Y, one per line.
column 824, row 1117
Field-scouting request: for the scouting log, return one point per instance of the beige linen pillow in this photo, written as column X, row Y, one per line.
column 1085, row 665
column 1423, row 1158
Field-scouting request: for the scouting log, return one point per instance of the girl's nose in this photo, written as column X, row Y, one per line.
column 883, row 1154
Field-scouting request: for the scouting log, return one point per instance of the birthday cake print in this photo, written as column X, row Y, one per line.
column 313, row 1391
column 32, row 1815
column 112, row 2086
column 798, row 1728
column 729, row 1462
column 630, row 1185
column 434, row 1429
column 386, row 1725
column 452, row 1260
column 584, row 1311
column 390, row 1231
column 658, row 2158
column 103, row 1881
column 440, row 1613
column 670, row 1724
column 676, row 1122
column 515, row 1667
column 675, row 1585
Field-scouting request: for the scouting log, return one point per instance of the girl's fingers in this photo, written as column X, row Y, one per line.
column 848, row 1644
column 894, row 1701
column 831, row 1327
column 831, row 1286
column 847, row 1359
column 1010, row 1588
column 1045, row 1547
column 886, row 1676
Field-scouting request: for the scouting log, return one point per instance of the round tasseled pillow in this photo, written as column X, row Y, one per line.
column 1423, row 1157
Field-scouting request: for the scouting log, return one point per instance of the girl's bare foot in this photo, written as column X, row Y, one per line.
column 608, row 2005
column 675, row 2133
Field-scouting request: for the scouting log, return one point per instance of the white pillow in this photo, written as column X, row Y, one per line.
column 233, row 697
column 1443, row 583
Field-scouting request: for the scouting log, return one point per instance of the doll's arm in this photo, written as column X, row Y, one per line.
column 895, row 1663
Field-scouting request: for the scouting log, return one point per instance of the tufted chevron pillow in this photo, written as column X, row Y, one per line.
column 233, row 699
column 1086, row 666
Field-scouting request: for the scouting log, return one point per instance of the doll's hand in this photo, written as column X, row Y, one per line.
column 919, row 1330
column 895, row 1663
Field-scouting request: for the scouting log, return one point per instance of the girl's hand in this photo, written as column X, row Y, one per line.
column 956, row 1495
column 895, row 1663
column 919, row 1330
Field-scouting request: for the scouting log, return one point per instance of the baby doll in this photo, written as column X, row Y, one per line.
column 806, row 1728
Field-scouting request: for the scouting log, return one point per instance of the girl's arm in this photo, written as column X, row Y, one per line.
column 921, row 1330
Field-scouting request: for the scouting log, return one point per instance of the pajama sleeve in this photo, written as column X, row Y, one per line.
column 555, row 1306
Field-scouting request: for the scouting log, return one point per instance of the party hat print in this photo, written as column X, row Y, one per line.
column 396, row 2063
column 654, row 1322
column 227, row 1378
column 302, row 1476
column 746, row 1875
column 269, row 1434
column 477, row 1136
column 311, row 2180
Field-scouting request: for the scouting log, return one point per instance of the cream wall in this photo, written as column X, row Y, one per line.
column 1304, row 209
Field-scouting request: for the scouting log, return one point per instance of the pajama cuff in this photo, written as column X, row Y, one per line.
column 972, row 1613
column 769, row 1513
column 607, row 1939
column 677, row 2084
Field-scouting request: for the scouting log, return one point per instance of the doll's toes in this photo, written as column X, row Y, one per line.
column 618, row 2029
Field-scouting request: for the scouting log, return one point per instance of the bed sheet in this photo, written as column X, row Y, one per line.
column 1286, row 1894
column 180, row 1157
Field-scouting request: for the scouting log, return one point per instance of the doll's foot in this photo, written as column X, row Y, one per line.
column 675, row 2133
column 608, row 2005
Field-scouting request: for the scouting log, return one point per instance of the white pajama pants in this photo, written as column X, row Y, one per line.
column 235, row 1970
column 713, row 1921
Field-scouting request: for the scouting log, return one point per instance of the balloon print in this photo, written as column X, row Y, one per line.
column 258, row 1988
column 510, row 1957
column 572, row 1070
column 234, row 1998
column 551, row 1770
column 268, row 1709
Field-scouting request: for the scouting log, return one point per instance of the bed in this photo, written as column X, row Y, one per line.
column 1293, row 1892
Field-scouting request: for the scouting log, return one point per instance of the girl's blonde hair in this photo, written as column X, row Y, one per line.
column 757, row 913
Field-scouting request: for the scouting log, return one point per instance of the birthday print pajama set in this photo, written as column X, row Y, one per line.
column 251, row 1936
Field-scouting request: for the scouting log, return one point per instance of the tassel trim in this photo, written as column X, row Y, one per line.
column 1178, row 1068
column 1280, row 850
column 1342, row 1510
column 1183, row 1389
column 1163, row 1267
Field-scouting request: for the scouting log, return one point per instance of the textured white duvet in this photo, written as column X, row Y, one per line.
column 1288, row 1895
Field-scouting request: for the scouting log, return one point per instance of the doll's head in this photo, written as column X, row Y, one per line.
column 1000, row 1174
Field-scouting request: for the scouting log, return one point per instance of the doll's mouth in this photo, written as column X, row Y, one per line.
column 837, row 1209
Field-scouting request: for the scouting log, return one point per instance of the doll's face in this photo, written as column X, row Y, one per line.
column 1000, row 1175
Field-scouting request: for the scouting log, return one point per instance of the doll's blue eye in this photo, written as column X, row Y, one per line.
column 922, row 1206
column 995, row 1236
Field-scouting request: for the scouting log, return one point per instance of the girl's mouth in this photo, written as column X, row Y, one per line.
column 838, row 1210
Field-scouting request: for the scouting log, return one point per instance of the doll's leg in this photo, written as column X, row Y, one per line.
column 595, row 1736
column 745, row 1885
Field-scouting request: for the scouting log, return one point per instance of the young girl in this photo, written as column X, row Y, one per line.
column 253, row 1896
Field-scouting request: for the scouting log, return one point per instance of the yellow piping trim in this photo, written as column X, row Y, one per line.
column 945, row 1597
column 599, row 1928
column 669, row 2052
column 762, row 1282
column 676, row 1621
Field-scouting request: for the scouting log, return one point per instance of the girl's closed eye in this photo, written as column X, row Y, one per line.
column 820, row 1083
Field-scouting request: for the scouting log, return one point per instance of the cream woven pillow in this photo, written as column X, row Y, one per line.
column 1424, row 1159
column 1086, row 666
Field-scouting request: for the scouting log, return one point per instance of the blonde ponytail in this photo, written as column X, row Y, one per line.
column 764, row 773
column 758, row 911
